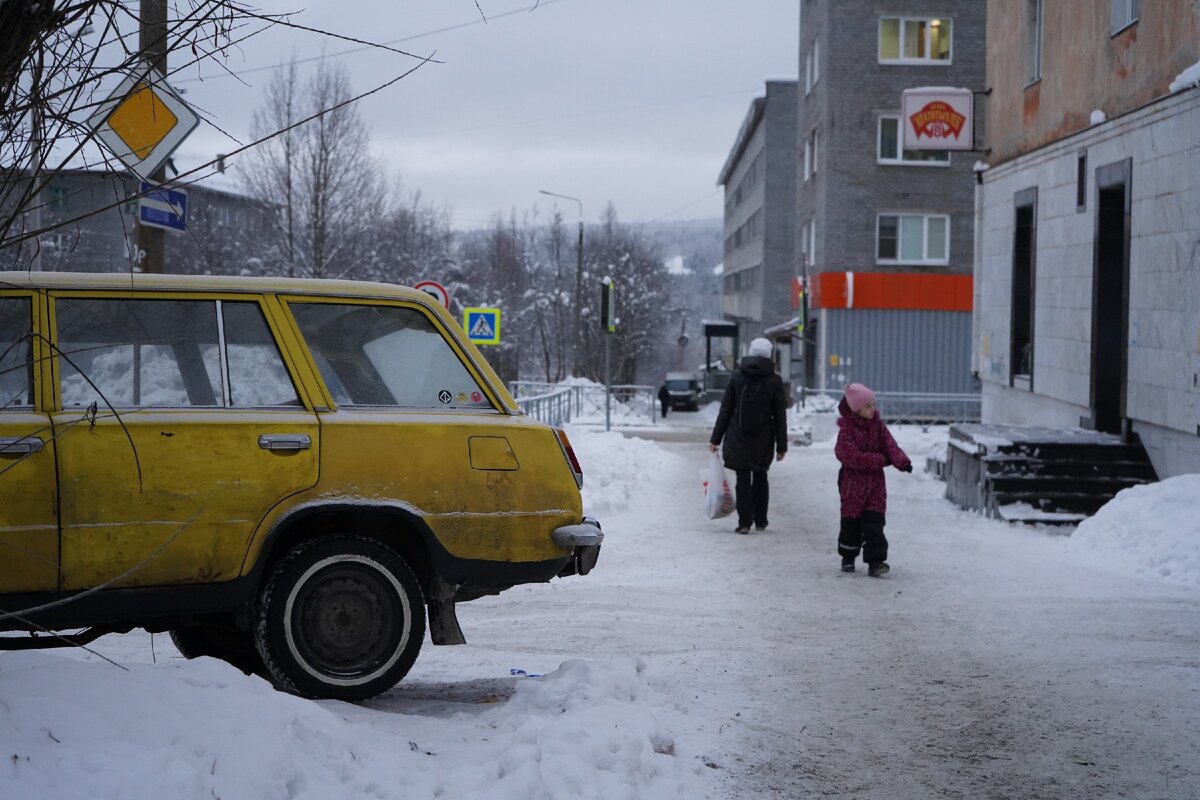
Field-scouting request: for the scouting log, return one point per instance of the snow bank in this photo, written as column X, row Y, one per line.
column 613, row 467
column 1150, row 530
column 200, row 729
column 1189, row 77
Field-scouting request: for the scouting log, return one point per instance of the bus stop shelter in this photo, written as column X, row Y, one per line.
column 717, row 371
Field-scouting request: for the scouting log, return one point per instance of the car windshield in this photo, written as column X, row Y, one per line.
column 679, row 386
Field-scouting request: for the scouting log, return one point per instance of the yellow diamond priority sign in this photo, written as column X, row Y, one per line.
column 142, row 123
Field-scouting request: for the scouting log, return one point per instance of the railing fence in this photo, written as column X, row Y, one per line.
column 906, row 408
column 556, row 404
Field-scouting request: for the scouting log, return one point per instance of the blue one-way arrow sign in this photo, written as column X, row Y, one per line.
column 161, row 207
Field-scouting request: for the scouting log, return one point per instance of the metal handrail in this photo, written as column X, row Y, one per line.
column 912, row 408
column 556, row 404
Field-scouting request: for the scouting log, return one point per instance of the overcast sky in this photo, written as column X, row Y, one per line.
column 633, row 101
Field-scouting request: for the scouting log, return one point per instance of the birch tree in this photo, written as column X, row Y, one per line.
column 329, row 191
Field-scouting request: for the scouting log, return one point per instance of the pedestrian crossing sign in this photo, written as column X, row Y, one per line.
column 482, row 325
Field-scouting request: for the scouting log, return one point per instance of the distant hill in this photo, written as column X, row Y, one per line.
column 697, row 241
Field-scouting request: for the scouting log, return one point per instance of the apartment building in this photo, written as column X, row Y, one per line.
column 226, row 231
column 759, row 177
column 884, row 235
column 1088, row 271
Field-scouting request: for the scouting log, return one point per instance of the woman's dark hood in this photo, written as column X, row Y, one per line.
column 756, row 366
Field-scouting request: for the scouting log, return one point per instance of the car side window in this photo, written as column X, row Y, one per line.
column 257, row 375
column 385, row 356
column 16, row 353
column 167, row 354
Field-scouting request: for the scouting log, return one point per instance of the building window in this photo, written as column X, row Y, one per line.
column 889, row 151
column 1124, row 14
column 816, row 61
column 913, row 239
column 915, row 40
column 1081, row 181
column 812, row 242
column 1032, row 40
column 58, row 198
column 807, row 158
column 1024, row 271
column 808, row 73
column 804, row 252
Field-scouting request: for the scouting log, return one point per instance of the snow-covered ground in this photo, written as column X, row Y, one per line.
column 995, row 661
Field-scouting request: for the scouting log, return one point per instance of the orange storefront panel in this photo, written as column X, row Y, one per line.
column 899, row 290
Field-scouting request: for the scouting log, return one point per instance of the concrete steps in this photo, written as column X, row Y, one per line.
column 1038, row 475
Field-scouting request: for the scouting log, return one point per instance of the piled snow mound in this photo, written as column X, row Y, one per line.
column 194, row 730
column 1150, row 530
column 616, row 469
column 582, row 732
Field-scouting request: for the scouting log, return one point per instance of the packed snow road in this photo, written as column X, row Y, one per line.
column 993, row 662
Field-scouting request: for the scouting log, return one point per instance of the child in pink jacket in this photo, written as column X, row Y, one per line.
column 865, row 447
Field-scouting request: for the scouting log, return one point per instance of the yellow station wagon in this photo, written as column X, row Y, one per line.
column 282, row 473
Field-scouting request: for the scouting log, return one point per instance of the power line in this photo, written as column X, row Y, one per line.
column 708, row 196
column 481, row 21
column 670, row 101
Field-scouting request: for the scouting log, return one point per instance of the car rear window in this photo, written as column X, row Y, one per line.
column 377, row 355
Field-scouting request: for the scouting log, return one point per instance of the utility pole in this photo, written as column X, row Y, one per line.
column 35, row 178
column 152, row 43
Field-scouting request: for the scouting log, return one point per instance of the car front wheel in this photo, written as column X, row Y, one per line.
column 341, row 618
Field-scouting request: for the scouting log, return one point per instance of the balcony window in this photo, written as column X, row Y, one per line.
column 889, row 151
column 915, row 40
column 913, row 239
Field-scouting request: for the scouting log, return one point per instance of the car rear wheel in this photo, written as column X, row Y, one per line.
column 340, row 618
column 219, row 641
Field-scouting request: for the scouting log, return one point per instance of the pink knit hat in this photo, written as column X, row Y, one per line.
column 858, row 396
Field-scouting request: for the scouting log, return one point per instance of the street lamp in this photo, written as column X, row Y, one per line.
column 578, row 278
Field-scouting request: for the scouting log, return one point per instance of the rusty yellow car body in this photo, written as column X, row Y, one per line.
column 250, row 461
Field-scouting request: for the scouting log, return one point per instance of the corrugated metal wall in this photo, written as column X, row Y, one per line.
column 898, row 350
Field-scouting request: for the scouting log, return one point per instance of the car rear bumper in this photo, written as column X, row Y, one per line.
column 584, row 540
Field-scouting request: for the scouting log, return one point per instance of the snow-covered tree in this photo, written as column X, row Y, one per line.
column 328, row 189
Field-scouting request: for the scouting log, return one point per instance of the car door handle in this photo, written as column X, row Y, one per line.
column 285, row 441
column 20, row 445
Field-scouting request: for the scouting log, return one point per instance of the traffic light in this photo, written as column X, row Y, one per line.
column 608, row 305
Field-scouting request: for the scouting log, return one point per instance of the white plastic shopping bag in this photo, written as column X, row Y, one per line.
column 718, row 496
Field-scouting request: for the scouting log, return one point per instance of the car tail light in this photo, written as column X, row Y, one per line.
column 569, row 454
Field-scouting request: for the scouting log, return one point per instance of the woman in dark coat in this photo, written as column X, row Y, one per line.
column 753, row 424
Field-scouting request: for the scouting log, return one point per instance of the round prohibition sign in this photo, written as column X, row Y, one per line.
column 436, row 291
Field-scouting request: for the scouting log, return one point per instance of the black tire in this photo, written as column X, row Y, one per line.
column 218, row 641
column 340, row 618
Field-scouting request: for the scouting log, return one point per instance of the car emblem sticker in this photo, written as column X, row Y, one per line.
column 445, row 396
column 476, row 397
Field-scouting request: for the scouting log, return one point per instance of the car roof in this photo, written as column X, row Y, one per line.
column 207, row 283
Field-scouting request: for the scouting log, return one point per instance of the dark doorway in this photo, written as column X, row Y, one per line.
column 1110, row 298
column 1023, row 275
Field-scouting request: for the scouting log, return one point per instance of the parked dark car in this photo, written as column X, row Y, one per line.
column 684, row 389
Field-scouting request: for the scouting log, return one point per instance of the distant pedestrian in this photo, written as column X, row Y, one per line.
column 753, row 424
column 864, row 447
column 664, row 399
